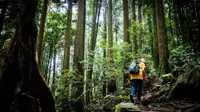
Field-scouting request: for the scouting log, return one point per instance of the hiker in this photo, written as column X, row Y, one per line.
column 112, row 87
column 137, row 79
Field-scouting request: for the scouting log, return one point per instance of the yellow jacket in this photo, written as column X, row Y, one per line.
column 140, row 75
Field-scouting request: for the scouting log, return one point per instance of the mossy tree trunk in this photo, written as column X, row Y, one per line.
column 155, row 53
column 104, row 50
column 68, row 37
column 133, row 20
column 126, row 36
column 91, row 52
column 79, row 56
column 23, row 89
column 162, row 37
column 140, row 22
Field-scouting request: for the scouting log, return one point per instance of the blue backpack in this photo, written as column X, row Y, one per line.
column 134, row 68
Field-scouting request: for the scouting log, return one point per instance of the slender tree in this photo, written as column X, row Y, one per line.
column 68, row 37
column 133, row 20
column 110, row 30
column 79, row 55
column 41, row 31
column 104, row 50
column 140, row 22
column 54, row 73
column 95, row 21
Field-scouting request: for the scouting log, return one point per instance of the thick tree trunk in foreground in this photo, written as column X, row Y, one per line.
column 2, row 16
column 22, row 86
column 162, row 37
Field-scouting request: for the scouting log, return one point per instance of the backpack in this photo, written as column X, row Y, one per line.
column 134, row 68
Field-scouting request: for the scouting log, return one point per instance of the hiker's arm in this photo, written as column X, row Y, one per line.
column 144, row 74
column 144, row 71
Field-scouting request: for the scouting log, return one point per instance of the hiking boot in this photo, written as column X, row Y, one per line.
column 137, row 102
column 131, row 97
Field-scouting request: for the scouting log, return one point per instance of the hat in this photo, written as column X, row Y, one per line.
column 143, row 60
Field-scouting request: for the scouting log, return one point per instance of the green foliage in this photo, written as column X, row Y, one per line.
column 64, row 90
column 184, row 58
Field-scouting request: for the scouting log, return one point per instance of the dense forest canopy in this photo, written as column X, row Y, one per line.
column 60, row 55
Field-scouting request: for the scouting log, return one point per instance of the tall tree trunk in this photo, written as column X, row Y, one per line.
column 104, row 50
column 140, row 22
column 134, row 37
column 23, row 87
column 110, row 31
column 162, row 37
column 49, row 71
column 54, row 73
column 68, row 37
column 126, row 35
column 91, row 52
column 116, row 31
column 79, row 55
column 66, row 62
column 95, row 22
column 126, row 21
column 41, row 31
column 48, row 63
column 2, row 16
column 155, row 52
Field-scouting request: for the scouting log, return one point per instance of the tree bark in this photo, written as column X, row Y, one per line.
column 110, row 31
column 104, row 50
column 126, row 36
column 2, row 16
column 95, row 22
column 48, row 65
column 140, row 22
column 41, row 31
column 23, row 87
column 54, row 73
column 126, row 21
column 79, row 55
column 49, row 70
column 155, row 53
column 68, row 37
column 162, row 37
column 134, row 37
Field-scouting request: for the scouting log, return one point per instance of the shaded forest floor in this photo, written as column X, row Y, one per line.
column 159, row 97
column 173, row 95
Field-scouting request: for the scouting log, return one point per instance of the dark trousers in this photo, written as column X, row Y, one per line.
column 137, row 85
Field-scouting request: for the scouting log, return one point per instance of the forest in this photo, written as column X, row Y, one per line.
column 74, row 55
